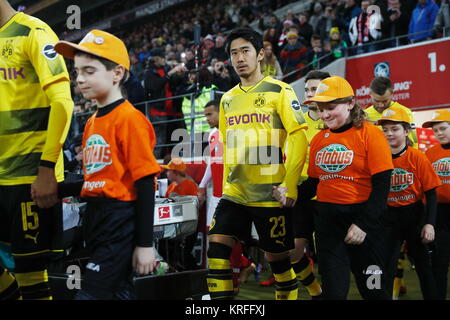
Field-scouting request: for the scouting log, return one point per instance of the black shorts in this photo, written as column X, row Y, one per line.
column 30, row 230
column 273, row 224
column 303, row 219
column 109, row 233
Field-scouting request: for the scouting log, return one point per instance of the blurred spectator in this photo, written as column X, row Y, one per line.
column 270, row 35
column 219, row 50
column 221, row 76
column 397, row 21
column 305, row 28
column 345, row 13
column 270, row 65
column 137, row 67
column 294, row 54
column 316, row 52
column 134, row 91
column 160, row 82
column 202, row 93
column 362, row 31
column 287, row 24
column 274, row 22
column 422, row 19
column 316, row 15
column 208, row 42
column 189, row 59
column 328, row 55
column 442, row 23
column 326, row 22
column 205, row 57
column 338, row 45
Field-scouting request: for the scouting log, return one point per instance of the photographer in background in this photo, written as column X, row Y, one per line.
column 396, row 23
column 221, row 76
column 161, row 82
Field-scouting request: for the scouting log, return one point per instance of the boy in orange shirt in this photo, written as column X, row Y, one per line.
column 412, row 180
column 439, row 157
column 181, row 185
column 119, row 168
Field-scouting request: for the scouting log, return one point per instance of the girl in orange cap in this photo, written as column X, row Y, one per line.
column 349, row 171
column 439, row 156
column 412, row 180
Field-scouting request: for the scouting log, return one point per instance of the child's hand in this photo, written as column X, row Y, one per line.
column 279, row 193
column 143, row 260
column 427, row 233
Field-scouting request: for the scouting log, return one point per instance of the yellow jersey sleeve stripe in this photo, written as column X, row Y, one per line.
column 18, row 121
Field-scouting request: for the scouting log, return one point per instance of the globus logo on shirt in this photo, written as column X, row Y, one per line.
column 334, row 158
column 96, row 154
column 442, row 167
column 401, row 180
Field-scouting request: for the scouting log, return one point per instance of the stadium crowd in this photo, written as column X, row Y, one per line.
column 306, row 40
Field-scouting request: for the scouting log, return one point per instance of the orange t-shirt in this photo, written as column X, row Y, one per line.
column 440, row 160
column 345, row 162
column 117, row 151
column 185, row 188
column 412, row 176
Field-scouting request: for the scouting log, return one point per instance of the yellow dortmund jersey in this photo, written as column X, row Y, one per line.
column 313, row 128
column 373, row 115
column 28, row 64
column 254, row 124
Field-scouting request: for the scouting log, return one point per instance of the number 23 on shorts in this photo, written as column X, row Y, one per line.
column 279, row 227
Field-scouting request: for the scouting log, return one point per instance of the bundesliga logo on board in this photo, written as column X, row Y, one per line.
column 334, row 158
column 401, row 180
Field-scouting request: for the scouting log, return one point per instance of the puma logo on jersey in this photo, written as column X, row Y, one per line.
column 28, row 236
column 279, row 242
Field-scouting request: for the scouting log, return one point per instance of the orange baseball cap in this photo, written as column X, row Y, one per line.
column 99, row 43
column 332, row 88
column 438, row 116
column 175, row 164
column 393, row 114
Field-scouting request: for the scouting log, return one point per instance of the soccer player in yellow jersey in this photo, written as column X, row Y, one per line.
column 381, row 92
column 303, row 217
column 35, row 113
column 257, row 117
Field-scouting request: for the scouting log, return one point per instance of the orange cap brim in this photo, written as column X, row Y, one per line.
column 67, row 49
column 320, row 99
column 429, row 124
column 380, row 121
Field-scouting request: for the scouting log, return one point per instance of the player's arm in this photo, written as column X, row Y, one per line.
column 202, row 187
column 223, row 140
column 54, row 81
column 295, row 160
column 297, row 143
column 44, row 188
